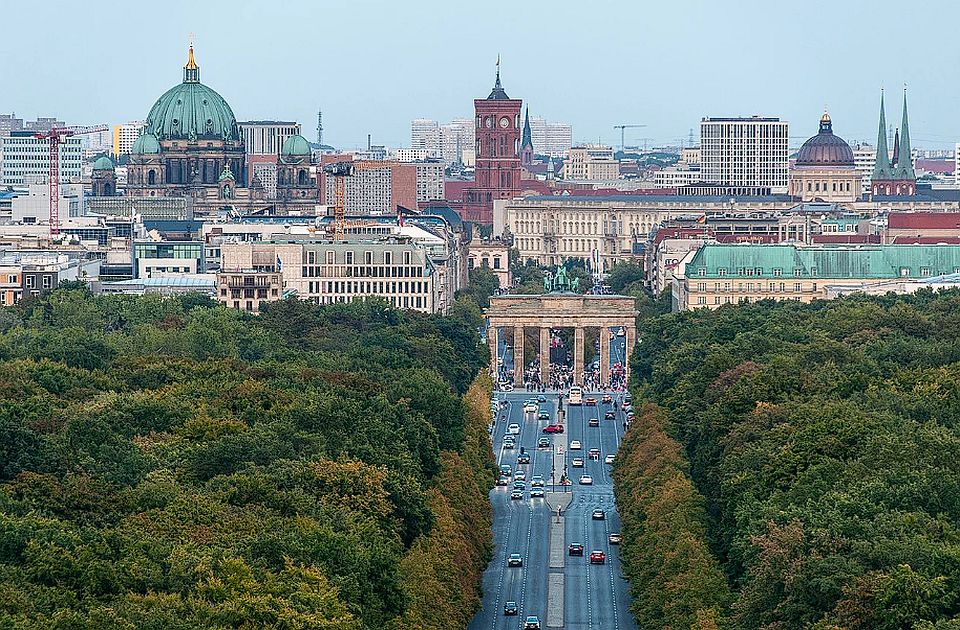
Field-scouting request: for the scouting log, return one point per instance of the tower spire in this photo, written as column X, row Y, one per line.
column 527, row 140
column 191, row 71
column 498, row 93
column 881, row 169
column 904, row 162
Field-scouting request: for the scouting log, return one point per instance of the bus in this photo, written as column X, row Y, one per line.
column 576, row 396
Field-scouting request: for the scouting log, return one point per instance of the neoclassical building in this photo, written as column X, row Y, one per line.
column 825, row 169
column 191, row 146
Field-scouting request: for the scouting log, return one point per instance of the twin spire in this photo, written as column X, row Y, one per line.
column 901, row 167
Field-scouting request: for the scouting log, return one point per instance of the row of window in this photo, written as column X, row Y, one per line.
column 743, row 299
column 330, row 258
column 367, row 288
column 342, row 271
column 750, row 287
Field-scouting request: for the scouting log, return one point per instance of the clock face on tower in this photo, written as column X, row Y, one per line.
column 489, row 122
column 504, row 122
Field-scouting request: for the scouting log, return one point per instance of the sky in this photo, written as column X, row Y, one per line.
column 374, row 65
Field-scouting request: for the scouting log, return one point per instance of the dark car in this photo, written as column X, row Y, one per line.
column 610, row 415
column 593, row 422
column 543, row 442
column 598, row 515
column 523, row 458
column 607, row 399
column 575, row 549
column 511, row 608
column 541, row 398
column 553, row 428
column 590, row 401
column 503, row 481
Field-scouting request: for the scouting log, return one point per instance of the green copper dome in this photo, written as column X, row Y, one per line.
column 145, row 144
column 192, row 111
column 103, row 163
column 295, row 146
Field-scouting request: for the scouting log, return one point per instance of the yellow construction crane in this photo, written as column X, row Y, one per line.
column 340, row 171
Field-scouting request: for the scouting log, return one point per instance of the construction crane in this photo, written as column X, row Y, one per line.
column 340, row 171
column 621, row 128
column 54, row 138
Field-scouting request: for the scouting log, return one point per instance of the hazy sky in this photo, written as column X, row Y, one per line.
column 373, row 65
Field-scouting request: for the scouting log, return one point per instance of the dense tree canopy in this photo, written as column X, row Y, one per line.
column 825, row 444
column 168, row 463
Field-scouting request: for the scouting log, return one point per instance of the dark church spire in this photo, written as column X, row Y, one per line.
column 527, row 140
column 881, row 169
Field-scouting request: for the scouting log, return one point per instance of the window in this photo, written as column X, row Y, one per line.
column 311, row 258
column 31, row 282
column 701, row 300
column 702, row 271
column 722, row 271
column 701, row 286
column 796, row 287
column 388, row 258
column 778, row 272
column 924, row 271
column 798, row 272
column 330, row 258
column 349, row 258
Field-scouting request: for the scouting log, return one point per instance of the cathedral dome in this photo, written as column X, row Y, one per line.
column 103, row 163
column 825, row 149
column 295, row 147
column 191, row 111
column 146, row 144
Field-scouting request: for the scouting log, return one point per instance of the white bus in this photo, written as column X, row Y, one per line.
column 576, row 396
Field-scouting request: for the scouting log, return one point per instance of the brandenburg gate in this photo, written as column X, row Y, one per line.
column 561, row 310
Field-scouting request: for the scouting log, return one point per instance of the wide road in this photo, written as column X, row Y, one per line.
column 594, row 596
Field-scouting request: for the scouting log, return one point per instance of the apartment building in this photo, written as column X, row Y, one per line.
column 26, row 158
column 124, row 135
column 591, row 162
column 749, row 152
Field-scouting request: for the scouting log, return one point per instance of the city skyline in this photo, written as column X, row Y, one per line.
column 787, row 62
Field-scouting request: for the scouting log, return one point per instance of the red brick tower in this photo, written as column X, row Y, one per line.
column 497, row 173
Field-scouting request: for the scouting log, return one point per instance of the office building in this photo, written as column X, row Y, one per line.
column 591, row 162
column 266, row 137
column 429, row 181
column 864, row 159
column 425, row 136
column 25, row 158
column 676, row 176
column 378, row 190
column 412, row 155
column 745, row 152
column 159, row 258
column 456, row 137
column 552, row 139
column 716, row 274
column 125, row 135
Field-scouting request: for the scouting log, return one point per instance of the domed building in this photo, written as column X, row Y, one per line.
column 825, row 169
column 104, row 177
column 294, row 180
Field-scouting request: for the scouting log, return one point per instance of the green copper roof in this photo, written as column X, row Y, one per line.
column 103, row 163
column 226, row 174
column 146, row 144
column 881, row 168
column 733, row 262
column 295, row 146
column 192, row 111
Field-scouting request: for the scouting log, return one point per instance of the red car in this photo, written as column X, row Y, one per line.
column 553, row 428
column 591, row 402
column 597, row 557
column 575, row 549
column 607, row 399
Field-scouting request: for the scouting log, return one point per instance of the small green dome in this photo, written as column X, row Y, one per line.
column 145, row 144
column 226, row 174
column 296, row 146
column 103, row 163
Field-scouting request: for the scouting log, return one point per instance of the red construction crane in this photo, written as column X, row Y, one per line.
column 53, row 138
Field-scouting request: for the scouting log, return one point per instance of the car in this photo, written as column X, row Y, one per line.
column 516, row 495
column 598, row 515
column 608, row 459
column 513, row 429
column 536, row 481
column 544, row 416
column 523, row 458
column 610, row 415
column 593, row 422
column 553, row 428
column 503, row 481
column 625, row 405
column 515, row 560
column 541, row 398
column 594, row 453
column 506, row 387
column 506, row 471
column 576, row 462
column 509, row 444
column 590, row 401
column 519, row 485
column 530, row 407
column 536, row 493
column 614, row 538
column 511, row 608
column 597, row 557
column 575, row 549
column 586, row 480
column 520, row 475
column 531, row 623
column 606, row 399
column 628, row 397
column 575, row 445
column 543, row 442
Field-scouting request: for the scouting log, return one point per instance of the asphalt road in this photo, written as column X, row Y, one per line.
column 595, row 596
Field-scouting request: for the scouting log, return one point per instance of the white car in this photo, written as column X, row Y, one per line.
column 577, row 462
column 575, row 445
column 531, row 407
column 536, row 493
column 506, row 386
column 608, row 459
column 536, row 481
column 513, row 429
column 586, row 480
column 520, row 476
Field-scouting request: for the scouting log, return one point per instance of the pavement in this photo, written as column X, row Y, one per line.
column 564, row 591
